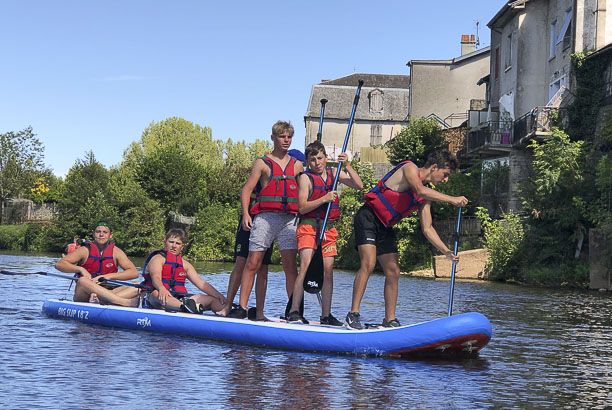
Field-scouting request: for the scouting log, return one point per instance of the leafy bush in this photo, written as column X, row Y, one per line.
column 212, row 237
column 503, row 240
column 573, row 275
column 12, row 237
column 415, row 142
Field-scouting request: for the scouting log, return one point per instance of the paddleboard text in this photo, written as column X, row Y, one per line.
column 73, row 313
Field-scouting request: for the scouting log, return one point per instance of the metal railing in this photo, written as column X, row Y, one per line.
column 492, row 134
column 538, row 120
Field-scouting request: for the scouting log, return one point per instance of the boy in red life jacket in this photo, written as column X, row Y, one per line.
column 274, row 213
column 96, row 261
column 71, row 247
column 402, row 191
column 166, row 270
column 315, row 193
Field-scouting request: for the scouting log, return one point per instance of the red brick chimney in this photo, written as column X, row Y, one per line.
column 468, row 43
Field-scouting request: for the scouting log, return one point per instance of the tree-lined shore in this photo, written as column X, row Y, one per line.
column 176, row 167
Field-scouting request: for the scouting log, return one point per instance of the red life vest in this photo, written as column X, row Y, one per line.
column 281, row 193
column 72, row 247
column 391, row 206
column 173, row 273
column 100, row 264
column 319, row 189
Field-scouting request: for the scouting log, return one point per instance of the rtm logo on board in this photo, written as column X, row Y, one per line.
column 144, row 322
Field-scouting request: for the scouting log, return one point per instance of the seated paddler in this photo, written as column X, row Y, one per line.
column 166, row 272
column 97, row 261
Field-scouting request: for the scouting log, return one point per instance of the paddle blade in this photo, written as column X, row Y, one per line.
column 313, row 281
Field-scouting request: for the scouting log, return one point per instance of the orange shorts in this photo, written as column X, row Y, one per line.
column 305, row 236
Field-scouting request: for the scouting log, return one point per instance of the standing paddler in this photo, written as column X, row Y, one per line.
column 274, row 213
column 399, row 193
column 315, row 193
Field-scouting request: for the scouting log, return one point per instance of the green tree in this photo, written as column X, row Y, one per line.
column 415, row 142
column 21, row 156
column 172, row 178
column 557, row 196
column 212, row 238
column 141, row 224
column 193, row 140
column 85, row 199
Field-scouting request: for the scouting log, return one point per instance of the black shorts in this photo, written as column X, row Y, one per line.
column 370, row 231
column 241, row 245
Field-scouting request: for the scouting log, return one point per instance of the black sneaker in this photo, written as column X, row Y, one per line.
column 331, row 321
column 191, row 306
column 238, row 313
column 391, row 323
column 294, row 317
column 353, row 320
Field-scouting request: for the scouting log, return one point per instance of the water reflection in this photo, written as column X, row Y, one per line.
column 550, row 348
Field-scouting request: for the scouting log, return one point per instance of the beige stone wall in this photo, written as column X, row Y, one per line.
column 334, row 132
column 471, row 265
column 20, row 211
column 443, row 89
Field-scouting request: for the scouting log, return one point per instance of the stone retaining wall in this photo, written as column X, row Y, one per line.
column 471, row 265
column 21, row 211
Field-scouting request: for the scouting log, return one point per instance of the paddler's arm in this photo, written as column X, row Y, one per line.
column 122, row 261
column 411, row 174
column 304, row 190
column 247, row 189
column 155, row 270
column 70, row 262
column 349, row 176
column 431, row 234
column 200, row 283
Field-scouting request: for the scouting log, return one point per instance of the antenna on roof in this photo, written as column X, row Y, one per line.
column 477, row 38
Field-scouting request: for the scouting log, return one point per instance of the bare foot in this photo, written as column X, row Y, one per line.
column 93, row 298
column 223, row 312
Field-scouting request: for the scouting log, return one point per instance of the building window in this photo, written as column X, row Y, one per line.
column 375, row 134
column 555, row 86
column 565, row 34
column 553, row 39
column 376, row 101
column 508, row 51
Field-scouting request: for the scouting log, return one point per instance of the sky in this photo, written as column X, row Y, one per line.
column 93, row 75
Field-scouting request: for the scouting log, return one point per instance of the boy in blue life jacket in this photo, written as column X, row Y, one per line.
column 315, row 193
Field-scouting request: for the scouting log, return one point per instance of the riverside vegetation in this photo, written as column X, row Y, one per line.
column 176, row 167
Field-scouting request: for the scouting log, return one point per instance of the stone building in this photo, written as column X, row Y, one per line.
column 381, row 113
column 530, row 77
column 444, row 89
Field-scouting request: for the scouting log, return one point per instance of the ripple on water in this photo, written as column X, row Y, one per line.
column 550, row 348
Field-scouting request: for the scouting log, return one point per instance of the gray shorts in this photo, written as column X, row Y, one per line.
column 273, row 226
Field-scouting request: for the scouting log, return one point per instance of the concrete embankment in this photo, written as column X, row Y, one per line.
column 471, row 266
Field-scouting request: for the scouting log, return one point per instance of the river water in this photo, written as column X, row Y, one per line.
column 550, row 349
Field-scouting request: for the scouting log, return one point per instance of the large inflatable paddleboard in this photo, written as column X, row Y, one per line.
column 462, row 334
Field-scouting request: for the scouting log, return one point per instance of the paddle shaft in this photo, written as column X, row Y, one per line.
column 452, row 285
column 320, row 133
column 109, row 281
column 346, row 138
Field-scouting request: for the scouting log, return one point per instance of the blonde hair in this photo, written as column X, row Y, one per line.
column 281, row 127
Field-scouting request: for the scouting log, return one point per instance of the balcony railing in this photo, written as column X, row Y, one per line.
column 536, row 123
column 490, row 135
